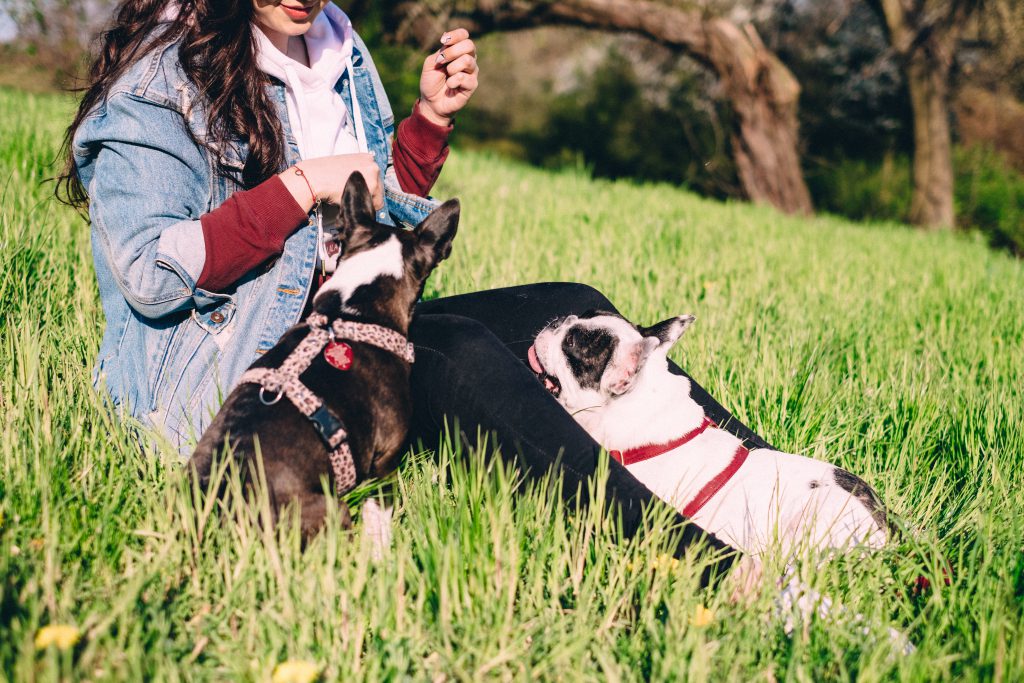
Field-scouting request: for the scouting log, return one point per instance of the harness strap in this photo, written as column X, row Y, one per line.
column 328, row 426
column 285, row 381
column 377, row 335
column 707, row 492
column 709, row 489
column 631, row 456
column 381, row 337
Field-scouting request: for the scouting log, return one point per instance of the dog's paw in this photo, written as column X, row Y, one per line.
column 376, row 528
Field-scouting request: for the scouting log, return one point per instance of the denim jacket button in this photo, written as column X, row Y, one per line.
column 217, row 317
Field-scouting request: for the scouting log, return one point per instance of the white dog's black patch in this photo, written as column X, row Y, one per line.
column 588, row 350
column 859, row 489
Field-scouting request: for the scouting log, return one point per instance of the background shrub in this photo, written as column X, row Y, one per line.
column 990, row 197
column 989, row 192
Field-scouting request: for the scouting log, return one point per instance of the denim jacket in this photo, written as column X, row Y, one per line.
column 172, row 351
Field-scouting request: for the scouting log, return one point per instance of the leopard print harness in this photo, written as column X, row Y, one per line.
column 284, row 381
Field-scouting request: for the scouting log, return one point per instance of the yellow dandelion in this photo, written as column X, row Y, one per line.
column 664, row 563
column 63, row 636
column 661, row 563
column 702, row 616
column 295, row 671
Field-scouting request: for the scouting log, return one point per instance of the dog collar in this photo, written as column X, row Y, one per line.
column 708, row 491
column 284, row 381
column 377, row 335
column 632, row 456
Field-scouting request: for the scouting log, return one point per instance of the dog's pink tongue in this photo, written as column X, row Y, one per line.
column 531, row 356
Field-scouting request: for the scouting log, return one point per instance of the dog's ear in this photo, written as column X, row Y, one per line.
column 668, row 332
column 436, row 232
column 621, row 375
column 356, row 206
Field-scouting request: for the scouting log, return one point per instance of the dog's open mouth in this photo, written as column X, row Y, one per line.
column 550, row 382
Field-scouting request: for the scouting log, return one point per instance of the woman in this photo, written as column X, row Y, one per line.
column 206, row 250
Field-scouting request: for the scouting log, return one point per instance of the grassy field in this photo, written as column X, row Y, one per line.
column 895, row 354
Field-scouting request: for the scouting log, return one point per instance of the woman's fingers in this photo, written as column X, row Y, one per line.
column 462, row 81
column 371, row 174
column 464, row 64
column 453, row 36
column 329, row 175
column 449, row 76
column 451, row 53
column 377, row 192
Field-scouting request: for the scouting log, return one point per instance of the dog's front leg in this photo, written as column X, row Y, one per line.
column 376, row 527
column 313, row 513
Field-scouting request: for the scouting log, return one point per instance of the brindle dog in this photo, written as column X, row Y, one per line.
column 378, row 280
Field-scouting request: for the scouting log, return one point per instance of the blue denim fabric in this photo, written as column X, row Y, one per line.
column 171, row 351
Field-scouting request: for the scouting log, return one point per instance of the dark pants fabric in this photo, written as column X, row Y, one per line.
column 471, row 368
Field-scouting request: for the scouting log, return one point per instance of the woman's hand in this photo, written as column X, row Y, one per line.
column 327, row 176
column 449, row 77
column 744, row 582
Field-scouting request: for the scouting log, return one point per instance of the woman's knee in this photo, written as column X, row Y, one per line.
column 454, row 337
column 575, row 297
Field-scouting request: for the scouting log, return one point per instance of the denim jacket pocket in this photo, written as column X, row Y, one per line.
column 215, row 320
column 179, row 369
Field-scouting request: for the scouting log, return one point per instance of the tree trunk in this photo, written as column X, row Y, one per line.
column 762, row 91
column 764, row 95
column 931, row 205
column 924, row 34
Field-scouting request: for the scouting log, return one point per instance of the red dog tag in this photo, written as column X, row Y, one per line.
column 339, row 355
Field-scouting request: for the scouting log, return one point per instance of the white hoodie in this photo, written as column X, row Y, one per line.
column 320, row 121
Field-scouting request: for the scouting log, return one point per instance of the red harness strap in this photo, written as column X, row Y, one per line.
column 708, row 491
column 634, row 455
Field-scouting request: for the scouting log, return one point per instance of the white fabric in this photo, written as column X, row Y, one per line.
column 320, row 121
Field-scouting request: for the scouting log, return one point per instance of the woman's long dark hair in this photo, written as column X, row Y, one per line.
column 218, row 54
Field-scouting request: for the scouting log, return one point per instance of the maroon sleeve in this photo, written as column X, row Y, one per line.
column 246, row 230
column 419, row 150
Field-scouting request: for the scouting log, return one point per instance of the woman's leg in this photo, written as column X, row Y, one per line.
column 515, row 315
column 464, row 371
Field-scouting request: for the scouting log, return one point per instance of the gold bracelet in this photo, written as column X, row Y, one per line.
column 299, row 172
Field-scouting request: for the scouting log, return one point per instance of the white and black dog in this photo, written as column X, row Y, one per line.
column 613, row 377
column 344, row 371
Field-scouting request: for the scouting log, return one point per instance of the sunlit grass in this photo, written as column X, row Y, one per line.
column 893, row 353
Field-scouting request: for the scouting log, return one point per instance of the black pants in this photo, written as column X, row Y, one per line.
column 471, row 366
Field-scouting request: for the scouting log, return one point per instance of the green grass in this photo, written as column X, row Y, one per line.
column 890, row 352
